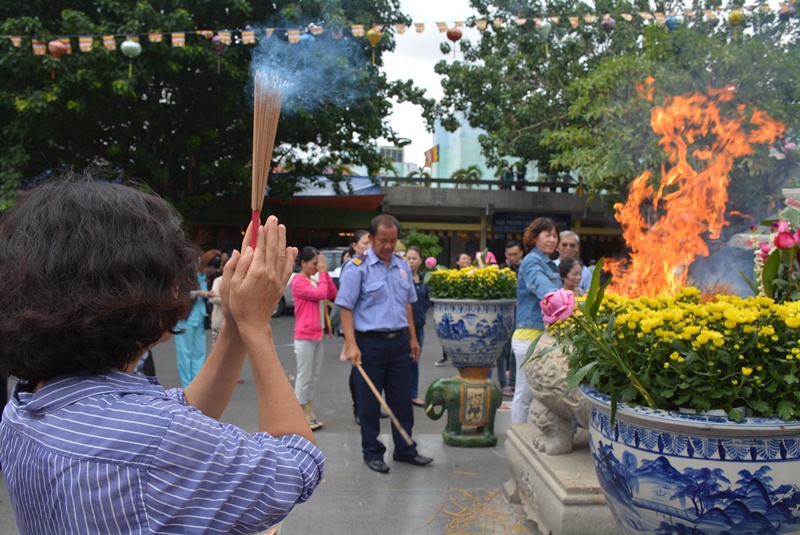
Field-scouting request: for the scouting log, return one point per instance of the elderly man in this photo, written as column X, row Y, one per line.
column 375, row 296
column 570, row 247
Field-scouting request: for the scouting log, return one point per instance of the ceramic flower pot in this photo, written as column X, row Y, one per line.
column 667, row 472
column 473, row 332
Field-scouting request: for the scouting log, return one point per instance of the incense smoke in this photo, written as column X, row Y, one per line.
column 319, row 70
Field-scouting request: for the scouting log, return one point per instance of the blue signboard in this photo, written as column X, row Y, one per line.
column 519, row 221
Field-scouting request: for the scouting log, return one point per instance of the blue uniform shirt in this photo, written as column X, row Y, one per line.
column 377, row 294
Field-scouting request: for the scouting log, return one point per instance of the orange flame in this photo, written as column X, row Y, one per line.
column 665, row 228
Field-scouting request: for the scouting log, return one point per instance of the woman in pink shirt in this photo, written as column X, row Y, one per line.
column 311, row 299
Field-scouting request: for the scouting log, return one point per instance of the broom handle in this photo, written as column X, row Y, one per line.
column 385, row 406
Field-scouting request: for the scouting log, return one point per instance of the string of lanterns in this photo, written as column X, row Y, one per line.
column 222, row 39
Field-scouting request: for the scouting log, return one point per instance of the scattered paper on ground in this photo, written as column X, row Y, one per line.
column 479, row 512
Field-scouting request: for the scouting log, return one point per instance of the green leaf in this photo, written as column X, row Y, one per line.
column 750, row 282
column 786, row 410
column 735, row 415
column 770, row 272
column 578, row 376
column 594, row 296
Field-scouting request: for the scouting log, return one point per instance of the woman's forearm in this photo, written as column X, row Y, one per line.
column 212, row 388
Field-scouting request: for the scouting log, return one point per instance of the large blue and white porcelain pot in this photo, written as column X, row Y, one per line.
column 473, row 332
column 668, row 472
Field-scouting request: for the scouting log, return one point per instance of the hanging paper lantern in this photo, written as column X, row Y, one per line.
column 672, row 22
column 220, row 47
column 130, row 49
column 374, row 37
column 57, row 48
column 454, row 34
column 543, row 29
column 736, row 17
column 608, row 25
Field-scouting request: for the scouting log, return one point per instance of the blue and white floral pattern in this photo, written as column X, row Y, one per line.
column 473, row 332
column 665, row 472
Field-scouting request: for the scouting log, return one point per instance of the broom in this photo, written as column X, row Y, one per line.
column 268, row 96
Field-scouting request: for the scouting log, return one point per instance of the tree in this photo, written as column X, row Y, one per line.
column 473, row 172
column 428, row 244
column 569, row 101
column 513, row 82
column 175, row 123
column 611, row 140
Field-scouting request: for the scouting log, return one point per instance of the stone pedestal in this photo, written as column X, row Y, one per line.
column 559, row 492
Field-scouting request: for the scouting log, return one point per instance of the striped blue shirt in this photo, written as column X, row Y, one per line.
column 117, row 453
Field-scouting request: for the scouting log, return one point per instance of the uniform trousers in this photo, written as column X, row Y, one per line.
column 388, row 365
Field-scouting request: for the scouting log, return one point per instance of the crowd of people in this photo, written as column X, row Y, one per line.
column 148, row 283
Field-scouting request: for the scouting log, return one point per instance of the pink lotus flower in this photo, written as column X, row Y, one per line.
column 764, row 250
column 558, row 306
column 785, row 240
column 430, row 262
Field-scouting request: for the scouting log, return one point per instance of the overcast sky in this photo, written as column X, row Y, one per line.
column 414, row 58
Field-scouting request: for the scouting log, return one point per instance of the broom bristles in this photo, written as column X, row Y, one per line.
column 268, row 96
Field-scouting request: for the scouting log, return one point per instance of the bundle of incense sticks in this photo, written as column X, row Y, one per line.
column 268, row 96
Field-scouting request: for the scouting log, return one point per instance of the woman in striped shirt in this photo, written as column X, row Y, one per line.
column 96, row 273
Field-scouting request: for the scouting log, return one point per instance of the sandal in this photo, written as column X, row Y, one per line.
column 418, row 402
column 508, row 391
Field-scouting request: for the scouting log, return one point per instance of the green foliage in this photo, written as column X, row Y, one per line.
column 570, row 101
column 175, row 123
column 428, row 244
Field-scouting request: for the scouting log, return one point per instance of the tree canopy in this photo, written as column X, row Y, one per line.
column 176, row 123
column 571, row 99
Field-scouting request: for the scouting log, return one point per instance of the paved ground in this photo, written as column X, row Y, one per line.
column 459, row 493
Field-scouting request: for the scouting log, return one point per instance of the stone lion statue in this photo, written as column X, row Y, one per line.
column 555, row 418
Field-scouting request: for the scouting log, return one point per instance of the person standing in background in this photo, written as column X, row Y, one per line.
column 570, row 271
column 383, row 343
column 537, row 276
column 570, row 247
column 507, row 363
column 190, row 344
column 420, row 312
column 310, row 322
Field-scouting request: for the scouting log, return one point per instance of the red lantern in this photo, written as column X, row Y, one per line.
column 454, row 34
column 57, row 50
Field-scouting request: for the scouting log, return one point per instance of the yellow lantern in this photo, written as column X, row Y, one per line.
column 736, row 17
column 374, row 37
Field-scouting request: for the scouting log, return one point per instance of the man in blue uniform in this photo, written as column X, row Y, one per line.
column 375, row 295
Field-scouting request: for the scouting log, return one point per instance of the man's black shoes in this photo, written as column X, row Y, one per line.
column 378, row 466
column 416, row 460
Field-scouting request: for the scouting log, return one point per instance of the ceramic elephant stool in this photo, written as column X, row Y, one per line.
column 469, row 402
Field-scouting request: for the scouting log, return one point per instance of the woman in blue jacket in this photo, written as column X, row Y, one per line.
column 537, row 276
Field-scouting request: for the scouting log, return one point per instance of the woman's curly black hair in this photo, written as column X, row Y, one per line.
column 92, row 273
